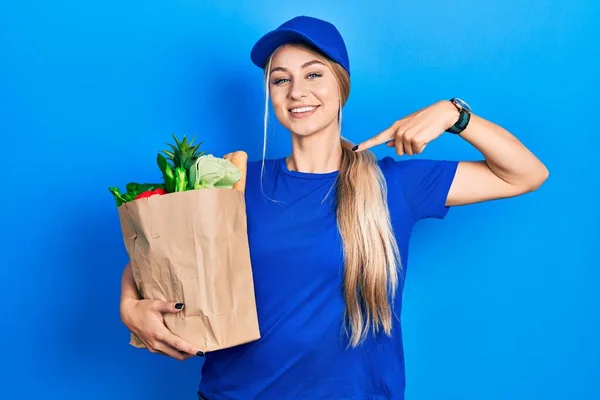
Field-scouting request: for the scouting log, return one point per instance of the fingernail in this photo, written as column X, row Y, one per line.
column 200, row 354
column 355, row 148
column 179, row 306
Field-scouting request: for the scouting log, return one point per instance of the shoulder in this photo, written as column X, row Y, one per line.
column 424, row 183
column 257, row 165
column 257, row 168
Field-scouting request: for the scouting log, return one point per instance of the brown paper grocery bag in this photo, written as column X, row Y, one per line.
column 192, row 247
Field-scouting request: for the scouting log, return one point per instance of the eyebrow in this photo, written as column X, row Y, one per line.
column 306, row 64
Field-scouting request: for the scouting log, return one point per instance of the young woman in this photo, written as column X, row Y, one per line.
column 329, row 227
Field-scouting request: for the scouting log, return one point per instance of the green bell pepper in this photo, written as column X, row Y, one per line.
column 181, row 179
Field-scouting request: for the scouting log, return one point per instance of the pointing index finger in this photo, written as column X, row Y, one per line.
column 378, row 139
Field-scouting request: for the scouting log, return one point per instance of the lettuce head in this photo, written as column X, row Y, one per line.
column 212, row 172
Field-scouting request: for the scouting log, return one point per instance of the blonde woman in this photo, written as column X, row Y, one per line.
column 329, row 227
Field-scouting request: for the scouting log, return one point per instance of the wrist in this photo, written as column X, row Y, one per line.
column 127, row 302
column 451, row 113
column 459, row 124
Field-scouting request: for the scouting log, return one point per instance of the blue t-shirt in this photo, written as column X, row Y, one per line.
column 297, row 265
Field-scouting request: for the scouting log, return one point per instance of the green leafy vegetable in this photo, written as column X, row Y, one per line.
column 211, row 172
column 117, row 195
column 138, row 188
column 132, row 190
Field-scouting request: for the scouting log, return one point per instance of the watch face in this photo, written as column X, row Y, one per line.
column 463, row 104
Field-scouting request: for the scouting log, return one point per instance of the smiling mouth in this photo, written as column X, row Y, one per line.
column 301, row 112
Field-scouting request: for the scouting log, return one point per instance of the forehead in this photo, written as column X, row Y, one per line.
column 290, row 55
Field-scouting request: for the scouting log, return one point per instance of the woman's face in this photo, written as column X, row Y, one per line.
column 304, row 91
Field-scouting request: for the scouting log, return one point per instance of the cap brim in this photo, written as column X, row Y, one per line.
column 267, row 44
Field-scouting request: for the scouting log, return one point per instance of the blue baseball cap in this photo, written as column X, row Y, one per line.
column 318, row 33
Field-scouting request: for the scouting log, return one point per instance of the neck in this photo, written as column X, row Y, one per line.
column 318, row 153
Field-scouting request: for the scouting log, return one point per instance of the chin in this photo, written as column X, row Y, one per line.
column 306, row 128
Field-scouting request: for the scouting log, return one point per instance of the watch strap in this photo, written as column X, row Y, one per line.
column 463, row 121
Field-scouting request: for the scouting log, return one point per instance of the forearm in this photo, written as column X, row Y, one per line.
column 504, row 154
column 128, row 288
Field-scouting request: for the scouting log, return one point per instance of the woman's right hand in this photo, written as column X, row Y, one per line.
column 145, row 319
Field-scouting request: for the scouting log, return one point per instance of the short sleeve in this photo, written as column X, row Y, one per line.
column 424, row 184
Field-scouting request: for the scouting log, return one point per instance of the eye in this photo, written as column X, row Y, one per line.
column 314, row 75
column 280, row 80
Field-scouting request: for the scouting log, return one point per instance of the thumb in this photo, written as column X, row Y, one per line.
column 168, row 306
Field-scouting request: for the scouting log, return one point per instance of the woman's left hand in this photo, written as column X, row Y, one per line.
column 411, row 134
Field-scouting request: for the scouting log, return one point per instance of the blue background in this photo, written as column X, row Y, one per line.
column 501, row 299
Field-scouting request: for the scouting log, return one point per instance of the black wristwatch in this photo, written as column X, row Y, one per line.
column 463, row 118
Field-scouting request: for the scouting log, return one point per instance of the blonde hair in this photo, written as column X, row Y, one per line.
column 371, row 254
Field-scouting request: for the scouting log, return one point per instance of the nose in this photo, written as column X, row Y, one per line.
column 298, row 89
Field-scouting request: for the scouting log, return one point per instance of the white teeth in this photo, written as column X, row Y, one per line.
column 302, row 109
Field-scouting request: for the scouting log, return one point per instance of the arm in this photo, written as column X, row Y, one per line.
column 145, row 319
column 509, row 168
column 128, row 288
